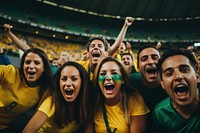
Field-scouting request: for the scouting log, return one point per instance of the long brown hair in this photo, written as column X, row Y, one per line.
column 46, row 80
column 62, row 116
column 126, row 90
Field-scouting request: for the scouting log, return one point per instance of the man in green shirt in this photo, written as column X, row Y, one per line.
column 181, row 111
column 147, row 81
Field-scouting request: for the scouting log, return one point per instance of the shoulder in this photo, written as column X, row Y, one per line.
column 163, row 105
column 135, row 76
column 8, row 70
column 85, row 64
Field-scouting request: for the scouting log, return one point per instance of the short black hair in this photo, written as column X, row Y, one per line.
column 173, row 52
column 144, row 47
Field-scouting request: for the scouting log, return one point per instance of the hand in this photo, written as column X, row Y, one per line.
column 129, row 21
column 7, row 27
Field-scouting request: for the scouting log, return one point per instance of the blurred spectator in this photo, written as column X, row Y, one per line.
column 128, row 61
column 158, row 45
column 4, row 60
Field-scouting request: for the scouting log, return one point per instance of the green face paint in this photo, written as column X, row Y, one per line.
column 115, row 78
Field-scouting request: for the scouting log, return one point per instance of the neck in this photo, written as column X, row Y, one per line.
column 92, row 67
column 32, row 84
column 152, row 84
column 129, row 70
column 113, row 101
column 186, row 111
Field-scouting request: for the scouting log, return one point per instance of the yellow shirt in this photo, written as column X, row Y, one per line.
column 116, row 117
column 15, row 96
column 48, row 127
column 86, row 65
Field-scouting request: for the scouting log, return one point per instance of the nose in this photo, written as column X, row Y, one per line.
column 108, row 77
column 178, row 75
column 150, row 61
column 31, row 65
column 68, row 83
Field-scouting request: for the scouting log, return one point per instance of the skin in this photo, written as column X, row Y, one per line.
column 128, row 62
column 96, row 47
column 148, row 58
column 111, row 69
column 122, row 48
column 176, row 72
column 33, row 67
column 70, row 80
column 64, row 57
column 111, row 73
column 93, row 60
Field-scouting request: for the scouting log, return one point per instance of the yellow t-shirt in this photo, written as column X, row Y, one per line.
column 86, row 65
column 48, row 127
column 15, row 96
column 116, row 117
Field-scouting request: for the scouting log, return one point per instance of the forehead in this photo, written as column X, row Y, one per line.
column 110, row 65
column 96, row 41
column 32, row 55
column 70, row 70
column 149, row 51
column 126, row 56
column 175, row 61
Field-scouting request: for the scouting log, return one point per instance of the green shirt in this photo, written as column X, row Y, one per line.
column 151, row 96
column 168, row 120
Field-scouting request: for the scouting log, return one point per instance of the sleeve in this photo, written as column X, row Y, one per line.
column 47, row 107
column 137, row 105
column 6, row 71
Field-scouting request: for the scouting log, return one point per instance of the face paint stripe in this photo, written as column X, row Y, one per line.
column 116, row 78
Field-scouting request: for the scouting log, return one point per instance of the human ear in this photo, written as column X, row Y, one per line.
column 162, row 84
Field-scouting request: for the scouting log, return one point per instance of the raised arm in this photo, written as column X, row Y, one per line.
column 120, row 37
column 20, row 44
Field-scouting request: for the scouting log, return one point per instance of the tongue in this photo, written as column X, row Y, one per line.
column 182, row 93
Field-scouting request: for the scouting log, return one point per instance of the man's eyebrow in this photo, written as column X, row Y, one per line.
column 167, row 69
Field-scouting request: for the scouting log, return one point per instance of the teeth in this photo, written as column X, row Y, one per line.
column 180, row 85
column 181, row 90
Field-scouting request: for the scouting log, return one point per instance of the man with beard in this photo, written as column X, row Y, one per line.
column 147, row 81
column 180, row 112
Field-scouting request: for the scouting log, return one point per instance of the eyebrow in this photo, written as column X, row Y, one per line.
column 167, row 69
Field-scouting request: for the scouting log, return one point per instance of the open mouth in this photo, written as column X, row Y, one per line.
column 95, row 54
column 126, row 63
column 31, row 73
column 109, row 87
column 69, row 92
column 151, row 71
column 181, row 90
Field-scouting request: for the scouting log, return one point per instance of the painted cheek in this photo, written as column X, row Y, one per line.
column 101, row 80
column 117, row 78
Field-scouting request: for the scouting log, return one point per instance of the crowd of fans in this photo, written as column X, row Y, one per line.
column 99, row 88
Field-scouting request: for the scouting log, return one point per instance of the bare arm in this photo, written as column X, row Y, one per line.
column 20, row 44
column 89, row 128
column 120, row 37
column 138, row 124
column 36, row 122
